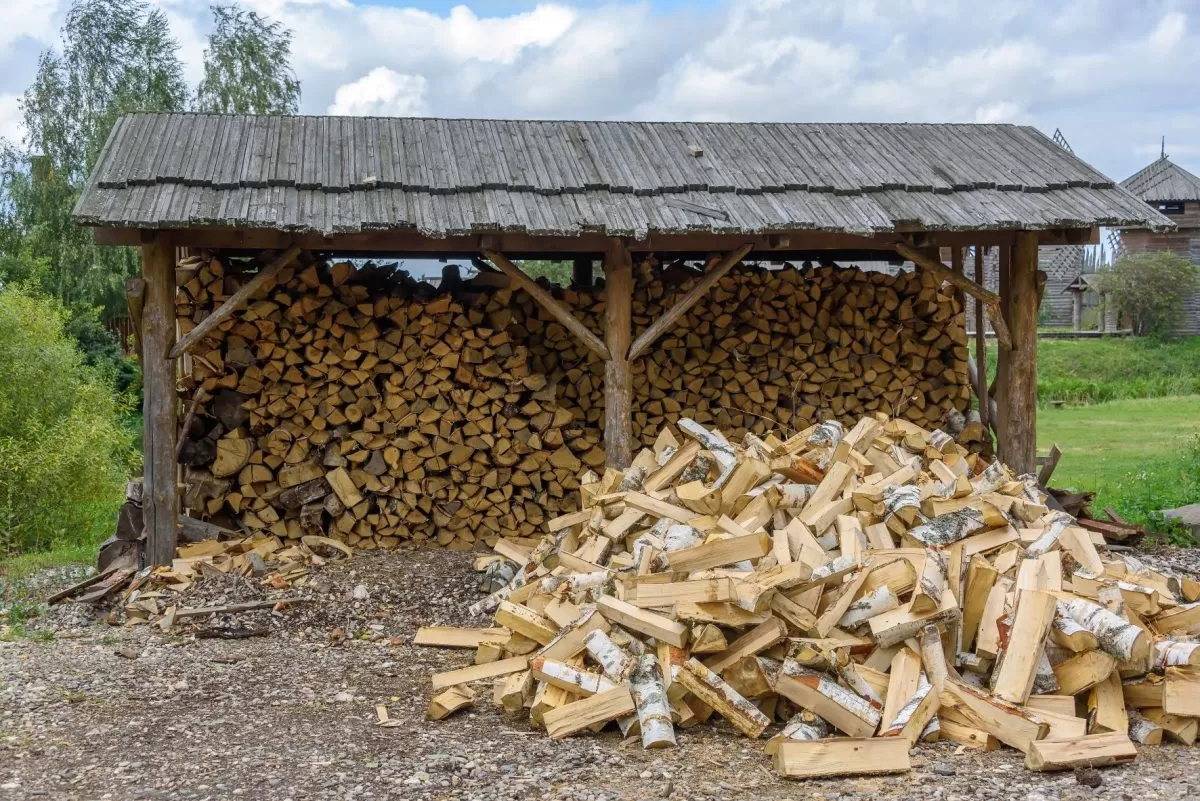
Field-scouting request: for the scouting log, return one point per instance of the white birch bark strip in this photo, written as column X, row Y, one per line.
column 680, row 536
column 855, row 704
column 905, row 713
column 1114, row 634
column 587, row 581
column 1066, row 625
column 994, row 476
column 1049, row 538
column 613, row 660
column 932, row 581
column 560, row 674
column 653, row 708
column 751, row 717
column 1173, row 653
column 714, row 443
column 881, row 600
column 806, row 725
column 949, row 528
column 1044, row 680
column 932, row 731
column 933, row 657
column 633, row 480
column 492, row 602
column 901, row 496
column 1143, row 730
column 855, row 681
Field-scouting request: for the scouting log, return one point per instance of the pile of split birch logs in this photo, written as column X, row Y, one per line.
column 847, row 594
column 358, row 404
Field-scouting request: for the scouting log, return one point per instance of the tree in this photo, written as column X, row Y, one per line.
column 1149, row 289
column 64, row 455
column 247, row 67
column 117, row 57
column 556, row 272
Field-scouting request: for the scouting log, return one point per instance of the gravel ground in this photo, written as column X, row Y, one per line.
column 101, row 712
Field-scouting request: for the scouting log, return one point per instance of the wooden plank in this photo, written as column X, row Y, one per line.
column 1027, row 641
column 489, row 670
column 618, row 378
column 557, row 309
column 658, row 508
column 1089, row 751
column 454, row 637
column 841, row 756
column 160, row 497
column 836, row 704
column 768, row 633
column 1005, row 722
column 235, row 301
column 668, row 319
column 1181, row 692
column 672, row 592
column 903, row 680
column 717, row 553
column 643, row 621
column 587, row 712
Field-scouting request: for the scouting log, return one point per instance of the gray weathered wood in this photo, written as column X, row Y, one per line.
column 160, row 498
column 618, row 379
column 549, row 302
column 981, row 372
column 236, row 301
column 1019, row 447
column 135, row 298
column 672, row 315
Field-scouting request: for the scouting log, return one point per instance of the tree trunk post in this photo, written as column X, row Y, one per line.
column 1018, row 446
column 160, row 497
column 1076, row 309
column 981, row 371
column 618, row 381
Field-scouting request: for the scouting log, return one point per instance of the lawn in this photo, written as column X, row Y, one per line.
column 1098, row 370
column 1137, row 455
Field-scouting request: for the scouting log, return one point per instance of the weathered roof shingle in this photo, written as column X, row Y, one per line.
column 445, row 177
column 1162, row 180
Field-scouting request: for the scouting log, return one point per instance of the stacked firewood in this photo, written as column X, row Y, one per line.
column 848, row 594
column 358, row 404
column 774, row 348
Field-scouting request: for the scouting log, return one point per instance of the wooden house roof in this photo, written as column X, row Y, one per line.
column 1163, row 180
column 449, row 177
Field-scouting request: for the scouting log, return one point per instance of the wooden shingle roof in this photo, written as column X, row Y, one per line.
column 446, row 177
column 1163, row 180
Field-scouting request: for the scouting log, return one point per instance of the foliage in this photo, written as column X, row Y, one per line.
column 556, row 272
column 1114, row 368
column 247, row 67
column 1149, row 289
column 117, row 57
column 1138, row 456
column 102, row 351
column 64, row 456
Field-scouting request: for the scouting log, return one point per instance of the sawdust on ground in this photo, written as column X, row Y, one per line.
column 100, row 712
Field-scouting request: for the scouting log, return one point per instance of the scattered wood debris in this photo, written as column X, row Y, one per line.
column 153, row 595
column 881, row 583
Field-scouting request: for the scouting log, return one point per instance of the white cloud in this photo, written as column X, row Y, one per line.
column 32, row 18
column 382, row 93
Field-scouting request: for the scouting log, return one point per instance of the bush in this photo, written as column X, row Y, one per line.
column 102, row 350
column 64, row 455
column 1149, row 289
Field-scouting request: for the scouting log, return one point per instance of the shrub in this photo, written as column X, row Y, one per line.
column 64, row 456
column 1149, row 289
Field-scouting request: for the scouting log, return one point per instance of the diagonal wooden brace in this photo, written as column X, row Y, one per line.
column 990, row 299
column 549, row 303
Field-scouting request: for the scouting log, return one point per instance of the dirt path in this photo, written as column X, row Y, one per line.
column 109, row 713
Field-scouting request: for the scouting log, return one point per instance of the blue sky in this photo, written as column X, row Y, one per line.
column 1114, row 75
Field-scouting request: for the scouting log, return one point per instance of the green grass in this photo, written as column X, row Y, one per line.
column 1099, row 370
column 1138, row 456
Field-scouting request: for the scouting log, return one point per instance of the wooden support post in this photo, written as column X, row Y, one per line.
column 1018, row 444
column 999, row 388
column 160, row 498
column 1076, row 309
column 981, row 371
column 956, row 265
column 581, row 274
column 618, row 380
column 135, row 299
column 550, row 303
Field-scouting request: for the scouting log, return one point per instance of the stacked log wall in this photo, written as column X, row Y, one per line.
column 362, row 405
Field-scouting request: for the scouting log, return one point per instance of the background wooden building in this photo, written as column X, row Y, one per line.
column 295, row 193
column 1175, row 193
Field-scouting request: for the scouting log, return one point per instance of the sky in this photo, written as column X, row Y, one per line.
column 1113, row 75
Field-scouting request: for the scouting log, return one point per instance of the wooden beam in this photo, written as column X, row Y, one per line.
column 999, row 387
column 549, row 303
column 672, row 315
column 960, row 281
column 160, row 498
column 618, row 378
column 981, row 371
column 236, row 301
column 135, row 299
column 1019, row 447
